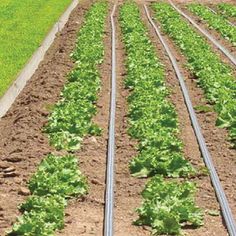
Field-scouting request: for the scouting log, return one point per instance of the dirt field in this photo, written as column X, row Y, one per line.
column 23, row 145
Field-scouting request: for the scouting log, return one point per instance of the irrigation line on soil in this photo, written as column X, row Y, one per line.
column 204, row 32
column 220, row 16
column 109, row 201
column 227, row 214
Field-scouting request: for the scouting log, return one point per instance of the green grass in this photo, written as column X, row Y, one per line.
column 24, row 24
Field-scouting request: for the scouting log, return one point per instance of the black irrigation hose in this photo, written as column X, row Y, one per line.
column 227, row 214
column 204, row 32
column 109, row 201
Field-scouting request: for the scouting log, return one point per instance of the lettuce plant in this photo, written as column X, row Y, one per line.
column 168, row 205
column 56, row 180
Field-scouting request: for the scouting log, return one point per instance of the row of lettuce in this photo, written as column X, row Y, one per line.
column 168, row 197
column 214, row 76
column 215, row 21
column 71, row 118
column 227, row 10
column 58, row 178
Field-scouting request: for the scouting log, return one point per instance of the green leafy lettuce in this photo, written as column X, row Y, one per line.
column 71, row 118
column 56, row 180
column 153, row 123
column 214, row 76
column 227, row 9
column 168, row 205
column 215, row 21
column 152, row 117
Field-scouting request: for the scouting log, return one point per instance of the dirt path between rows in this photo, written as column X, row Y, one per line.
column 22, row 143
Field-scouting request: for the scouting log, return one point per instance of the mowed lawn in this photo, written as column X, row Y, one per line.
column 23, row 26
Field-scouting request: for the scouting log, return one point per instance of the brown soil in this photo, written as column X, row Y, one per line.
column 22, row 143
column 220, row 149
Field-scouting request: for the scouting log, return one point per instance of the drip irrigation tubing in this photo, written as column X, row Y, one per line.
column 204, row 32
column 109, row 199
column 226, row 211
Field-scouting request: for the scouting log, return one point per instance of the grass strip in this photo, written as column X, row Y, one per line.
column 153, row 122
column 215, row 21
column 71, row 118
column 214, row 77
column 24, row 24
